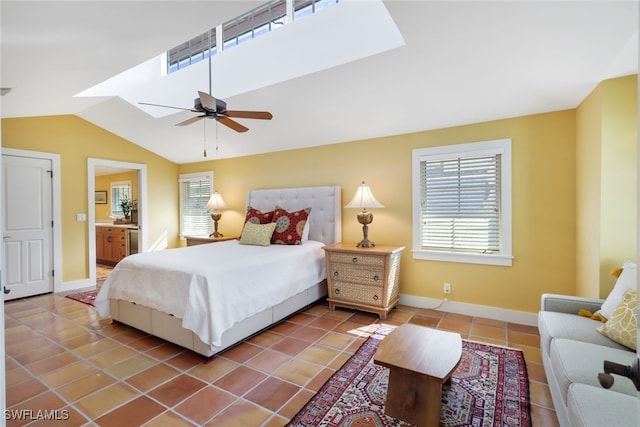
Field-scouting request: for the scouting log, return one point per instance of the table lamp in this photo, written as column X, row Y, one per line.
column 216, row 203
column 364, row 199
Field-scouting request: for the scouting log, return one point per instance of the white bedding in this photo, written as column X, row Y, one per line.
column 213, row 286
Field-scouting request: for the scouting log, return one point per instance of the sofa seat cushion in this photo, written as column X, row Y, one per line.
column 579, row 362
column 596, row 406
column 571, row 326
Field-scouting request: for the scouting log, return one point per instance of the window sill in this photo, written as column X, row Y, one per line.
column 500, row 260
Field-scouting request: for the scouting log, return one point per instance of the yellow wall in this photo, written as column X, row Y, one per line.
column 543, row 203
column 103, row 183
column 607, row 135
column 76, row 140
column 561, row 226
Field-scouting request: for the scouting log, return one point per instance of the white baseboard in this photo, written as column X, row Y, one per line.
column 513, row 316
column 73, row 285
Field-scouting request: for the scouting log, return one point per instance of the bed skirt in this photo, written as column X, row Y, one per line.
column 170, row 328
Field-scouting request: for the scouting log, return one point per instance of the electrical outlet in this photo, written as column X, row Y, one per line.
column 447, row 288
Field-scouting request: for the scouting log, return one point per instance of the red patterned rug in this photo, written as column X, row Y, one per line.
column 87, row 297
column 489, row 388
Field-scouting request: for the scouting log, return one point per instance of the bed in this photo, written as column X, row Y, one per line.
column 209, row 297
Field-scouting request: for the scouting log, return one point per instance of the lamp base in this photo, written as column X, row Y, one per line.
column 215, row 234
column 365, row 243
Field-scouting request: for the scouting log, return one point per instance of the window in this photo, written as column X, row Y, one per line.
column 462, row 203
column 195, row 189
column 119, row 190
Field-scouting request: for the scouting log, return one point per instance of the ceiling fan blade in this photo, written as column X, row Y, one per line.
column 207, row 101
column 189, row 121
column 165, row 106
column 263, row 115
column 232, row 124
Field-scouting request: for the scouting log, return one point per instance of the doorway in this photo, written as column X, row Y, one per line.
column 94, row 168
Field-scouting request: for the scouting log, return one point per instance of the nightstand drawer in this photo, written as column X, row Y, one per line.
column 356, row 259
column 367, row 275
column 352, row 292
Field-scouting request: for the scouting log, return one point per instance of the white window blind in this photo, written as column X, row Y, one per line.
column 462, row 203
column 195, row 190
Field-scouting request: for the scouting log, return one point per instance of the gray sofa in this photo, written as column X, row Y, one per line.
column 573, row 353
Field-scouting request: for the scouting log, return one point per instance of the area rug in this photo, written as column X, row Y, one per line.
column 87, row 297
column 489, row 388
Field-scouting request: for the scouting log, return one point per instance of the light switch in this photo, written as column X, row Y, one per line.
column 81, row 217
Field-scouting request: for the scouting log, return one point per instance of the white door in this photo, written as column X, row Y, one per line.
column 27, row 228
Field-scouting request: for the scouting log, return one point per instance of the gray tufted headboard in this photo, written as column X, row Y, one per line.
column 325, row 220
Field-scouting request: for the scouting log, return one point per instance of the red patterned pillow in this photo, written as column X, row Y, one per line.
column 258, row 217
column 289, row 226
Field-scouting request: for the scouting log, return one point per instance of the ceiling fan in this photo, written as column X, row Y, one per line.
column 213, row 108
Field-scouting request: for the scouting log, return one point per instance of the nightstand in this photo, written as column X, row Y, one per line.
column 363, row 278
column 200, row 240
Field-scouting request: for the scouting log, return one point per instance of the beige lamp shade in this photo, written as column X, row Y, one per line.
column 364, row 199
column 216, row 202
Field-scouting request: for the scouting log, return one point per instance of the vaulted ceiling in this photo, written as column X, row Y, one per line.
column 440, row 64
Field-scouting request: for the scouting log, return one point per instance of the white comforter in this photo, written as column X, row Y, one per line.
column 213, row 286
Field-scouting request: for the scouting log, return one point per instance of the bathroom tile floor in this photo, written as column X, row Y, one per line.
column 61, row 357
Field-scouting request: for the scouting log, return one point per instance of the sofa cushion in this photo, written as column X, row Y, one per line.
column 596, row 406
column 571, row 326
column 580, row 362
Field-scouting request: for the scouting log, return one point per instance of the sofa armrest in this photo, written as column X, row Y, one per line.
column 568, row 303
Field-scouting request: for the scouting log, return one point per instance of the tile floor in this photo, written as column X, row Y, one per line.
column 60, row 355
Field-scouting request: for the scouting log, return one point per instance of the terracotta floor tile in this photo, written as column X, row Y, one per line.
column 296, row 403
column 241, row 414
column 130, row 366
column 43, row 401
column 269, row 361
column 266, row 339
column 116, row 375
column 290, row 346
column 217, row 368
column 298, row 371
column 319, row 354
column 241, row 352
column 85, row 386
column 206, row 403
column 152, row 377
column 169, row 419
column 52, row 363
column 104, row 400
column 134, row 413
column 336, row 340
column 488, row 331
column 272, row 393
column 23, row 391
column 67, row 374
column 516, row 338
column 176, row 390
column 240, row 380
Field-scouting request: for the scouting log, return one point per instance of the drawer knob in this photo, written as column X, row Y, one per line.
column 376, row 278
column 335, row 274
column 375, row 297
column 354, row 259
column 336, row 291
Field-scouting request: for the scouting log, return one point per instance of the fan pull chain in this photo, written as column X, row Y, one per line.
column 216, row 138
column 204, row 138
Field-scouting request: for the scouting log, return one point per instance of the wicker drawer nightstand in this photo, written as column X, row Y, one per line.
column 363, row 278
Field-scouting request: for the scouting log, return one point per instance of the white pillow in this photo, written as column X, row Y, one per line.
column 627, row 280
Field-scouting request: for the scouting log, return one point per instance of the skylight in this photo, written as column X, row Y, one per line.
column 256, row 22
